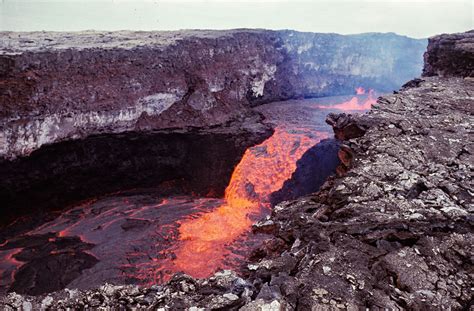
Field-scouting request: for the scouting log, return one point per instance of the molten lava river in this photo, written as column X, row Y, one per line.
column 144, row 238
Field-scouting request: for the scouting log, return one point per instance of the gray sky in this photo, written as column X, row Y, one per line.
column 415, row 18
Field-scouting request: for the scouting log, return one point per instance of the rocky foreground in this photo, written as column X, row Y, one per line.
column 392, row 230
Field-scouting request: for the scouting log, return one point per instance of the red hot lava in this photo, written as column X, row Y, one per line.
column 198, row 236
column 262, row 170
column 355, row 103
column 360, row 90
column 8, row 265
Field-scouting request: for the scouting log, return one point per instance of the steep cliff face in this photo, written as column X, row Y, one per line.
column 74, row 86
column 61, row 86
column 450, row 55
column 317, row 65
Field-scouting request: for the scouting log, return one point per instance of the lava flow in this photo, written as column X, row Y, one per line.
column 360, row 90
column 262, row 170
column 159, row 235
column 355, row 103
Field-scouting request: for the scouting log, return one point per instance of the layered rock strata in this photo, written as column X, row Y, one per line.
column 450, row 55
column 65, row 86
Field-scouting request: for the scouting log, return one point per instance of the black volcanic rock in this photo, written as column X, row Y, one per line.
column 49, row 262
column 311, row 171
column 346, row 126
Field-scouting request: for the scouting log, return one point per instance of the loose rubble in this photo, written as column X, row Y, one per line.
column 222, row 291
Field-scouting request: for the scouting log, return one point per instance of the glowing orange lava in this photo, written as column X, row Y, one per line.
column 360, row 90
column 355, row 103
column 262, row 170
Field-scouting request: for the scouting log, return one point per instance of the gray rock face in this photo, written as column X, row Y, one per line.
column 450, row 55
column 63, row 86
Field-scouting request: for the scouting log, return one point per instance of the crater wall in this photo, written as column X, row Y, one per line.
column 61, row 86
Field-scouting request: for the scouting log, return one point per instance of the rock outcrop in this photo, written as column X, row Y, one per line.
column 450, row 55
column 396, row 230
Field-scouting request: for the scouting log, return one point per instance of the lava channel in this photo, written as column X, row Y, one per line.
column 203, row 245
column 355, row 103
